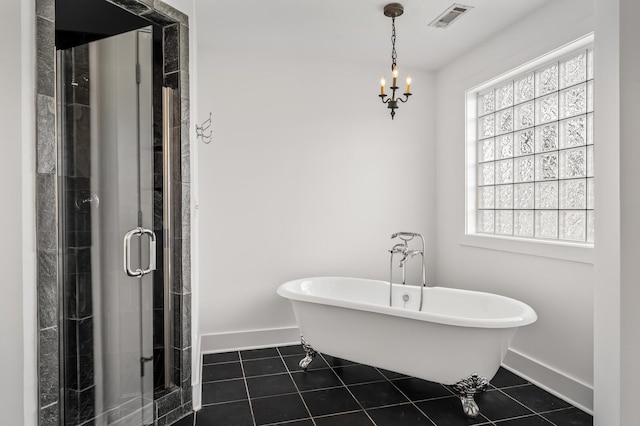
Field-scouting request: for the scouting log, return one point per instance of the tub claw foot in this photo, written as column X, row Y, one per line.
column 311, row 354
column 466, row 389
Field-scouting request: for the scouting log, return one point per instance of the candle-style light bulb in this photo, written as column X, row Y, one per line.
column 382, row 84
column 407, row 89
column 394, row 74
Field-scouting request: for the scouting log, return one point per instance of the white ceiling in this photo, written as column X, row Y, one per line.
column 355, row 30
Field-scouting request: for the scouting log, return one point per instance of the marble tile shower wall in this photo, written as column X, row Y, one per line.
column 169, row 405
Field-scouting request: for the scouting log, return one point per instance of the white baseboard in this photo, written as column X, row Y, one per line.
column 559, row 384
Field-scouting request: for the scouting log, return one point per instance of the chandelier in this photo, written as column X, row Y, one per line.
column 393, row 10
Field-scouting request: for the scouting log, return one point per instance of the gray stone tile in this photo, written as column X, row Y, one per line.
column 171, row 12
column 171, row 48
column 49, row 381
column 45, row 9
column 47, row 301
column 184, row 48
column 168, row 403
column 158, row 18
column 186, row 322
column 186, row 263
column 50, row 415
column 45, row 57
column 186, row 367
column 46, row 134
column 47, row 263
column 46, row 219
column 136, row 7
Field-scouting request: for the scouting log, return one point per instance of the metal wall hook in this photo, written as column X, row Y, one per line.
column 200, row 131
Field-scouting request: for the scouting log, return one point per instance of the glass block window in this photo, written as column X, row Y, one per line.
column 534, row 151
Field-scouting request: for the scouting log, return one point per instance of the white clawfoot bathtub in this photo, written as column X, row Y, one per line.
column 457, row 334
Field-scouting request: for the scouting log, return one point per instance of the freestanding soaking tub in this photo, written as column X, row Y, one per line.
column 458, row 338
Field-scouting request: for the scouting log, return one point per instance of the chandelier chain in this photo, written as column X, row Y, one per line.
column 394, row 55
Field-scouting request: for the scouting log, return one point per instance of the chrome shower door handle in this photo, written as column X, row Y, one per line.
column 139, row 273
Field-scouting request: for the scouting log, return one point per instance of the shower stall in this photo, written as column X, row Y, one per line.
column 113, row 216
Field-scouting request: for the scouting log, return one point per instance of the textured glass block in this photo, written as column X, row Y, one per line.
column 590, row 96
column 504, row 121
column 504, row 96
column 485, row 174
column 591, row 192
column 504, row 171
column 547, row 109
column 573, row 101
column 504, row 146
column 590, row 165
column 573, row 225
column 524, row 142
column 547, row 137
column 485, row 150
column 573, row 163
column 524, row 90
column 524, row 116
column 547, row 195
column 547, row 166
column 546, row 224
column 591, row 226
column 573, row 132
column 573, row 194
column 523, row 196
column 504, row 222
column 523, row 223
column 486, row 126
column 486, row 197
column 590, row 129
column 590, row 64
column 486, row 103
column 504, row 197
column 523, row 170
column 485, row 221
column 547, row 80
column 573, row 70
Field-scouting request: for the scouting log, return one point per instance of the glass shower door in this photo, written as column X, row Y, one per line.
column 108, row 246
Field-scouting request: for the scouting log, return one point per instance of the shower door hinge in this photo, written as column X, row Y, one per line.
column 138, row 73
column 142, row 362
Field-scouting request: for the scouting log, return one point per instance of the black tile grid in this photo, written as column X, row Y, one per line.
column 266, row 387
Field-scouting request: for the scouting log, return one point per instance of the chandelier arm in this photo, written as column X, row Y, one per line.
column 406, row 98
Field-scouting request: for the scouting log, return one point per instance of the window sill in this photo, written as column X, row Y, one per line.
column 573, row 252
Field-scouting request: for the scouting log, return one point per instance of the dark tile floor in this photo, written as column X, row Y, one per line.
column 266, row 387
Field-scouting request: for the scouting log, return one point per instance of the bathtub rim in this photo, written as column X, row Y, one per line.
column 528, row 315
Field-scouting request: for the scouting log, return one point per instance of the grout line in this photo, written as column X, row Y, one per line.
column 223, row 402
column 296, row 386
column 349, row 390
column 246, row 387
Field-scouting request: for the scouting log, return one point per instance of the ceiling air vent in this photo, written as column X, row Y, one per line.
column 450, row 15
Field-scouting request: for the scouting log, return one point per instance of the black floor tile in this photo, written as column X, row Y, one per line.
column 330, row 401
column 260, row 367
column 275, row 384
column 396, row 415
column 337, row 362
column 377, row 394
column 305, row 422
column 569, row 417
column 505, row 378
column 448, row 412
column 391, row 375
column 292, row 350
column 359, row 373
column 358, row 418
column 224, row 371
column 534, row 420
column 224, row 391
column 536, row 399
column 276, row 409
column 316, row 379
column 292, row 362
column 220, row 357
column 259, row 353
column 495, row 405
column 418, row 389
column 229, row 414
column 185, row 421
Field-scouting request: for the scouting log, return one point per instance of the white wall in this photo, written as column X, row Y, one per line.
column 11, row 302
column 557, row 350
column 306, row 175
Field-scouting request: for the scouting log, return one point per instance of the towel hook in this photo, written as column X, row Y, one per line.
column 200, row 131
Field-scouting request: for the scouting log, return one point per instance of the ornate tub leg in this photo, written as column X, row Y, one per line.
column 466, row 389
column 311, row 353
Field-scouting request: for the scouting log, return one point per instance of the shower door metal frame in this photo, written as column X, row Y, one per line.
column 174, row 403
